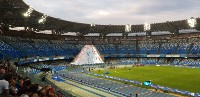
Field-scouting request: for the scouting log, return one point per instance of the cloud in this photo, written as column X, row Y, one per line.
column 118, row 11
column 98, row 14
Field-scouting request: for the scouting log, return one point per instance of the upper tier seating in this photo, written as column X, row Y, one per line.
column 16, row 47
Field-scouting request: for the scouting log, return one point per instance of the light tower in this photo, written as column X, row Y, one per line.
column 147, row 28
column 192, row 22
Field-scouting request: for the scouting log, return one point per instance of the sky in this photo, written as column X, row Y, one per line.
column 118, row 12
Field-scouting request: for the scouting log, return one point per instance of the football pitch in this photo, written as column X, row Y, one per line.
column 174, row 77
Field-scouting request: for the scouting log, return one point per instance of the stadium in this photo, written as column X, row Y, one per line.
column 45, row 56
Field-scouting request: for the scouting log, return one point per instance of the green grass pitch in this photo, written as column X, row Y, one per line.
column 174, row 77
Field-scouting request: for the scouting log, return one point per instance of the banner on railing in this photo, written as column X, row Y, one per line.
column 173, row 55
column 42, row 60
column 153, row 55
column 60, row 57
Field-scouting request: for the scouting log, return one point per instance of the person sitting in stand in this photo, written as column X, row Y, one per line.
column 13, row 89
column 24, row 88
column 4, row 84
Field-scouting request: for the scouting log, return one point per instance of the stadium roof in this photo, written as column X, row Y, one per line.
column 118, row 12
column 12, row 15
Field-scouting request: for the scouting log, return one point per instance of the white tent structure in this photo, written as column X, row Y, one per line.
column 88, row 55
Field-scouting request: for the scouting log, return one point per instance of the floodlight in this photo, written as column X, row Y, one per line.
column 92, row 24
column 26, row 15
column 192, row 22
column 42, row 19
column 127, row 28
column 147, row 27
column 28, row 12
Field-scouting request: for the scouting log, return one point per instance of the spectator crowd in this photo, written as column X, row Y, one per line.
column 12, row 84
